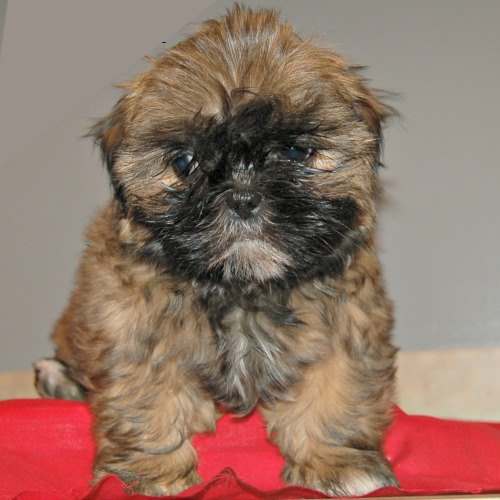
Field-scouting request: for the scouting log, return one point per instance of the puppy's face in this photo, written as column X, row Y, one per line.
column 247, row 153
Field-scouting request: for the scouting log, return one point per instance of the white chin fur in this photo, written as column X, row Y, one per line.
column 252, row 259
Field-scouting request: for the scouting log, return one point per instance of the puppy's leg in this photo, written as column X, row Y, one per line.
column 145, row 418
column 330, row 429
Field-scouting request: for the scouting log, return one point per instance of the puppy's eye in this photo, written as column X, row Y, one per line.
column 184, row 163
column 296, row 153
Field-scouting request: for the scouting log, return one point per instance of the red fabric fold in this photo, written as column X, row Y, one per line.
column 46, row 452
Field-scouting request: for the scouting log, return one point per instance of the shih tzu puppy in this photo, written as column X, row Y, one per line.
column 235, row 266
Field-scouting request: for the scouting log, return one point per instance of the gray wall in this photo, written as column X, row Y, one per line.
column 3, row 13
column 439, row 235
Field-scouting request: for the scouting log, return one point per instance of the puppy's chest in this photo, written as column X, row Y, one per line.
column 257, row 358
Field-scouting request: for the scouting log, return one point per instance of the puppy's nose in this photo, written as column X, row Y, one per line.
column 244, row 203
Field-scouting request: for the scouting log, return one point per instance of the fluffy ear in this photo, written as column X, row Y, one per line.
column 108, row 134
column 370, row 107
column 372, row 112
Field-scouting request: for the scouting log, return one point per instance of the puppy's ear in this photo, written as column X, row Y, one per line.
column 370, row 107
column 108, row 134
column 371, row 110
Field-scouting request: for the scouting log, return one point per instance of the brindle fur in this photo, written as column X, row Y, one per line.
column 176, row 309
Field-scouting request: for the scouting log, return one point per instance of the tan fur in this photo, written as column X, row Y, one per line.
column 338, row 413
column 127, row 331
column 136, row 338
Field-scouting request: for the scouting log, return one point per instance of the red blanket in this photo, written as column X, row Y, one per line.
column 46, row 453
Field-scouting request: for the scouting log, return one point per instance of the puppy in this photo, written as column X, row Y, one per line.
column 235, row 266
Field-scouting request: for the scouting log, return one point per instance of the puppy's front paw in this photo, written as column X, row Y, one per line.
column 164, row 488
column 351, row 473
column 159, row 484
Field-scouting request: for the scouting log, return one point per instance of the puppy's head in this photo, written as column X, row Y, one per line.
column 248, row 153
